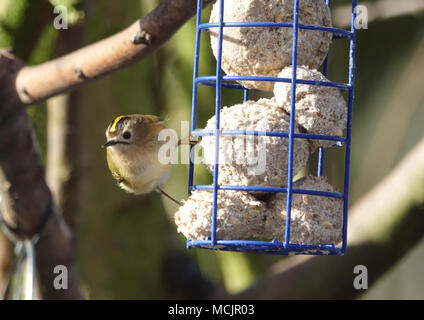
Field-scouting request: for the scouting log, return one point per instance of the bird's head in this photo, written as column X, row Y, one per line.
column 132, row 130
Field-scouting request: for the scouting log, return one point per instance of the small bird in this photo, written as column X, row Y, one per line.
column 132, row 149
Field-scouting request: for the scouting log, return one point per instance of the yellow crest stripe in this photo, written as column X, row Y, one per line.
column 115, row 122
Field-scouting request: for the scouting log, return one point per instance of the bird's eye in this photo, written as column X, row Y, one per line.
column 127, row 135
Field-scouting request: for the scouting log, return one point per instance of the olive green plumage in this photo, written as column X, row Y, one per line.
column 132, row 150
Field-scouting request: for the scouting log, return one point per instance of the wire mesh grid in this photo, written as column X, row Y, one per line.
column 219, row 81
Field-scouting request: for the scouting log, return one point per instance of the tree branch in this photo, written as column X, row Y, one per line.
column 378, row 10
column 123, row 49
column 6, row 259
column 34, row 17
column 384, row 226
column 63, row 138
column 26, row 198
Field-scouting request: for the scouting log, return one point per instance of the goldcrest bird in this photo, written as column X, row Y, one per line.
column 132, row 149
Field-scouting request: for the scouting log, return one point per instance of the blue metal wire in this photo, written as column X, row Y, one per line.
column 292, row 123
column 194, row 99
column 210, row 80
column 270, row 189
column 219, row 81
column 340, row 33
column 349, row 121
column 200, row 133
column 321, row 149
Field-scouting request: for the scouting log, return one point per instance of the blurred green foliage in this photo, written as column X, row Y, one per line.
column 12, row 15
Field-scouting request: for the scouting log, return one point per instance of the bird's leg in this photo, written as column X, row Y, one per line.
column 190, row 140
column 168, row 196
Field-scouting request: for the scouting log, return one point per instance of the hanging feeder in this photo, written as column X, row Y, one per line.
column 269, row 212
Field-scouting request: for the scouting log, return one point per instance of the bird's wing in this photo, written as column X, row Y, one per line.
column 113, row 169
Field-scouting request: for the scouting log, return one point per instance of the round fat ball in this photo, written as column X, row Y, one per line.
column 264, row 51
column 254, row 160
column 239, row 216
column 319, row 109
column 314, row 219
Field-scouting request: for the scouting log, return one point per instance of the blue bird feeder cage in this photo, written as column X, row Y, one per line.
column 219, row 81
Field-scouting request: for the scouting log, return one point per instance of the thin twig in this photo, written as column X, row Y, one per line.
column 142, row 38
column 378, row 10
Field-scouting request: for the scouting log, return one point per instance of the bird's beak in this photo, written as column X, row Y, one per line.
column 109, row 143
column 113, row 142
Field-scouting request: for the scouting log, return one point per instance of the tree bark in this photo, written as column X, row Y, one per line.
column 26, row 200
column 142, row 38
column 377, row 10
column 27, row 204
column 63, row 138
column 6, row 258
column 34, row 17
